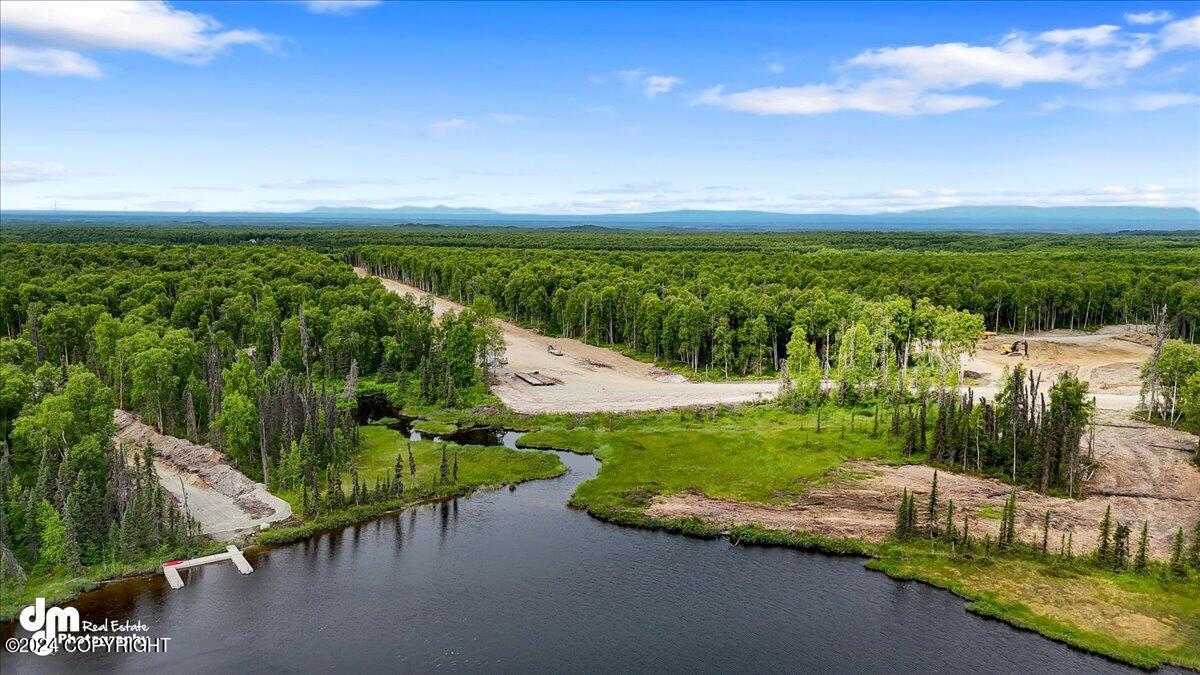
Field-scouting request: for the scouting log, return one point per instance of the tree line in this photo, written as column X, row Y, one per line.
column 1117, row 549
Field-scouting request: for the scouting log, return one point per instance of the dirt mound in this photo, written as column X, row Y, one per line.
column 221, row 497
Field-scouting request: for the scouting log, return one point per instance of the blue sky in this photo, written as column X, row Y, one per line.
column 589, row 108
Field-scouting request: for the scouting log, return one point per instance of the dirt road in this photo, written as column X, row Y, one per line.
column 224, row 501
column 1109, row 360
column 593, row 378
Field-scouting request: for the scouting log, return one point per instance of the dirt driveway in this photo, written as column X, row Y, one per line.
column 593, row 378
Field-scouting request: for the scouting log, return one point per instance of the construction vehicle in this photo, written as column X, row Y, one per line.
column 1018, row 348
column 554, row 350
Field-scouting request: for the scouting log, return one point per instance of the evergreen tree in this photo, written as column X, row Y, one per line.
column 398, row 476
column 1177, row 567
column 1139, row 562
column 951, row 533
column 1045, row 532
column 1104, row 549
column 412, row 465
column 931, row 513
column 1120, row 549
column 444, row 469
column 454, row 470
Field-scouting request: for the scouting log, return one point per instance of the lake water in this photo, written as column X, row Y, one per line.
column 515, row 581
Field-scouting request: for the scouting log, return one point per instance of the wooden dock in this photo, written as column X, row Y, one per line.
column 171, row 568
column 536, row 379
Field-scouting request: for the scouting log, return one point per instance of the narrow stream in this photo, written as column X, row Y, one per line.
column 516, row 581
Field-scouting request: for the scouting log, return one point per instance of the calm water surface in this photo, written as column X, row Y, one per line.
column 515, row 581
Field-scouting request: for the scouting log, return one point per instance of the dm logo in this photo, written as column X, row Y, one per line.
column 46, row 625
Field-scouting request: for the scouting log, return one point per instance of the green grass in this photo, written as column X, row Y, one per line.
column 434, row 428
column 477, row 465
column 1144, row 620
column 758, row 454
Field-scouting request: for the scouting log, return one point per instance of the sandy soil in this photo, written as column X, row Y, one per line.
column 223, row 500
column 594, row 378
column 1146, row 474
column 1109, row 360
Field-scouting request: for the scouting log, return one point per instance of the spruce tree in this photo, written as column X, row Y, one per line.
column 1139, row 562
column 454, row 471
column 901, row 532
column 412, row 465
column 931, row 513
column 1120, row 549
column 398, row 476
column 1045, row 532
column 1104, row 549
column 951, row 532
column 444, row 469
column 1177, row 567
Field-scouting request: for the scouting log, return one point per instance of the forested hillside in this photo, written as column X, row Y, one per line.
column 254, row 349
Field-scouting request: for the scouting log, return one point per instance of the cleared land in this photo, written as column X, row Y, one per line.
column 223, row 500
column 594, row 379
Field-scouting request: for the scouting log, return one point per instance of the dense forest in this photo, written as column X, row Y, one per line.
column 681, row 305
column 254, row 349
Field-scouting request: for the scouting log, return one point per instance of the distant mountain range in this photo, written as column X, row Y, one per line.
column 1090, row 219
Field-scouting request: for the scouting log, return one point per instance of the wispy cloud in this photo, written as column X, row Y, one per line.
column 31, row 172
column 324, row 183
column 776, row 68
column 507, row 118
column 64, row 27
column 441, row 128
column 1147, row 18
column 651, row 84
column 927, row 79
column 633, row 187
column 48, row 62
column 339, row 7
column 100, row 196
column 1181, row 34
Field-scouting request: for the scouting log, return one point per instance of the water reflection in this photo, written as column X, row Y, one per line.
column 516, row 581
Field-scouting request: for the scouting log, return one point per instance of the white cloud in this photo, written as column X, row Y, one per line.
column 776, row 68
column 442, row 127
column 340, row 7
column 651, row 85
column 508, row 118
column 31, row 172
column 1146, row 18
column 925, row 79
column 48, row 62
column 148, row 26
column 879, row 96
column 1150, row 102
column 1182, row 33
column 1094, row 36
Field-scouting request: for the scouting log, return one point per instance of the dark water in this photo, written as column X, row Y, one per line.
column 516, row 581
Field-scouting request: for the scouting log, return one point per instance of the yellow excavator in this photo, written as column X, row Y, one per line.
column 1018, row 348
